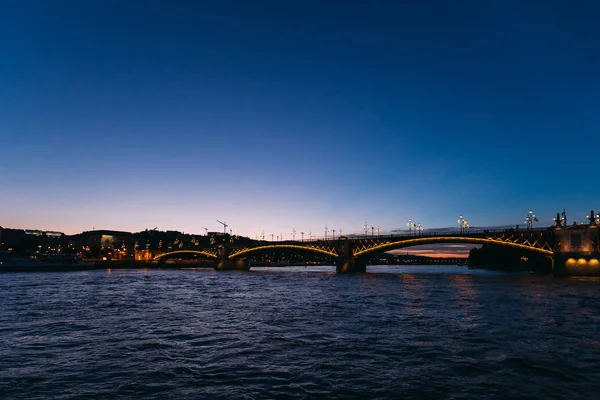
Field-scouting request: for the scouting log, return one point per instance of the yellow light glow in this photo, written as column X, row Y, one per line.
column 206, row 253
column 281, row 246
column 582, row 262
column 392, row 245
column 594, row 263
column 571, row 262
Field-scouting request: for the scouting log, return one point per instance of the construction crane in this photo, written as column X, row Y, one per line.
column 224, row 226
column 205, row 231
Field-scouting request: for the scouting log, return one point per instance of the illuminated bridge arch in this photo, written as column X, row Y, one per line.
column 206, row 252
column 540, row 247
column 325, row 248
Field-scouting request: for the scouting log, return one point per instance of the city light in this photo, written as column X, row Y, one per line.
column 530, row 219
column 460, row 222
column 118, row 247
column 419, row 229
column 463, row 224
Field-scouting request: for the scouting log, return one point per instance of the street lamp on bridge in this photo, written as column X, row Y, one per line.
column 461, row 222
column 378, row 230
column 410, row 226
column 302, row 236
column 366, row 228
column 530, row 219
column 326, row 229
column 333, row 237
column 293, row 233
column 419, row 229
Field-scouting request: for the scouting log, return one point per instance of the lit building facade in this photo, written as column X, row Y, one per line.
column 577, row 251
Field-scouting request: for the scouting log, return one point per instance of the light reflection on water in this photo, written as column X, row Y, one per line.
column 421, row 332
column 395, row 269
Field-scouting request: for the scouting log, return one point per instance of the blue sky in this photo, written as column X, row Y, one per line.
column 282, row 114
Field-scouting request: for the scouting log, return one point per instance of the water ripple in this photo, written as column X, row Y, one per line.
column 298, row 333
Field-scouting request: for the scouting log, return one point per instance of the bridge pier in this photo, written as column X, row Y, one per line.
column 227, row 264
column 577, row 250
column 346, row 263
column 576, row 264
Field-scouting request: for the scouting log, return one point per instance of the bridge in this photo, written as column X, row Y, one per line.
column 574, row 249
column 352, row 253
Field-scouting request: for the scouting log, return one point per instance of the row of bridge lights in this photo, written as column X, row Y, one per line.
column 464, row 226
column 413, row 228
column 374, row 230
column 416, row 228
column 530, row 218
column 308, row 234
column 561, row 219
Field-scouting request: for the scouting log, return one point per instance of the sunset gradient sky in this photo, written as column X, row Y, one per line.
column 271, row 115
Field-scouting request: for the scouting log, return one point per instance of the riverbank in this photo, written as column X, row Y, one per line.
column 129, row 264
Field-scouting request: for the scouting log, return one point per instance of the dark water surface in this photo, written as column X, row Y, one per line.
column 405, row 332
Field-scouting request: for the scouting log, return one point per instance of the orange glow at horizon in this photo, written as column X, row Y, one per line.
column 436, row 254
column 438, row 251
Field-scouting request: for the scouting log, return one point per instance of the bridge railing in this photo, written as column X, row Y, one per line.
column 393, row 236
column 468, row 232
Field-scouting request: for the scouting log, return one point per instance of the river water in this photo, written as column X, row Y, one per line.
column 425, row 332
